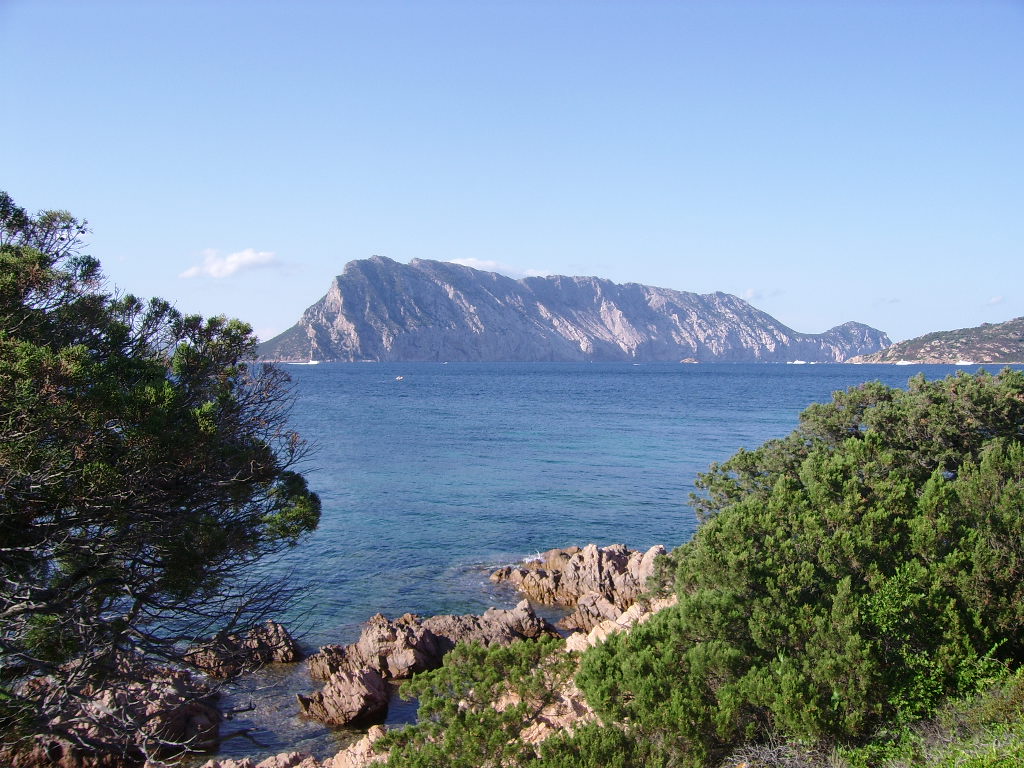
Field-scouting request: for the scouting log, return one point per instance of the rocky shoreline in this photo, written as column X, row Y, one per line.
column 356, row 675
column 603, row 590
column 595, row 583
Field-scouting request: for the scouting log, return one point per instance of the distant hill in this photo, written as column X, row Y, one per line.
column 986, row 343
column 380, row 310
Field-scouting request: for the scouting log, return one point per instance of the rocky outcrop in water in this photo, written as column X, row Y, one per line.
column 401, row 647
column 348, row 699
column 395, row 649
column 599, row 583
column 380, row 310
column 227, row 655
column 496, row 626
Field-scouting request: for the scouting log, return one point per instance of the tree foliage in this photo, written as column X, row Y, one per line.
column 145, row 466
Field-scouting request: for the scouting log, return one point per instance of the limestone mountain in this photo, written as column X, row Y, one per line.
column 986, row 343
column 380, row 310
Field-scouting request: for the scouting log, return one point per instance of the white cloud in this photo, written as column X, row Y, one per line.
column 217, row 266
column 996, row 300
column 756, row 294
column 884, row 300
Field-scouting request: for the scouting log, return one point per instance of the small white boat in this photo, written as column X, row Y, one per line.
column 399, row 378
column 965, row 362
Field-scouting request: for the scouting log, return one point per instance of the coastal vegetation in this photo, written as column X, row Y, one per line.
column 854, row 587
column 145, row 467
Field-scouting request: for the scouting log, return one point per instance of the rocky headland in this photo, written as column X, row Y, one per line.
column 379, row 310
column 991, row 343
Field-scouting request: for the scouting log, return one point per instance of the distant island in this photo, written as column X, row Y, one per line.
column 986, row 343
column 379, row 310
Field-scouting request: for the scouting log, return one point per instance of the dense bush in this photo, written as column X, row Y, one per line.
column 856, row 572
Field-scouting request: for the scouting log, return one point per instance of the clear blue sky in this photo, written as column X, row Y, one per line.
column 827, row 160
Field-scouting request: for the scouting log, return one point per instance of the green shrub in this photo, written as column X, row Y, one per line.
column 458, row 725
column 855, row 573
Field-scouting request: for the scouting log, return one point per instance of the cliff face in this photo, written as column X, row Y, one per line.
column 988, row 343
column 380, row 310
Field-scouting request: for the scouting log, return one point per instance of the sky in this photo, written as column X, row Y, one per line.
column 827, row 161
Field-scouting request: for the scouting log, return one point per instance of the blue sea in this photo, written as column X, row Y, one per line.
column 432, row 475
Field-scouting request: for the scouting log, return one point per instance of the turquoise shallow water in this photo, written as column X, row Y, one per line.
column 430, row 481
